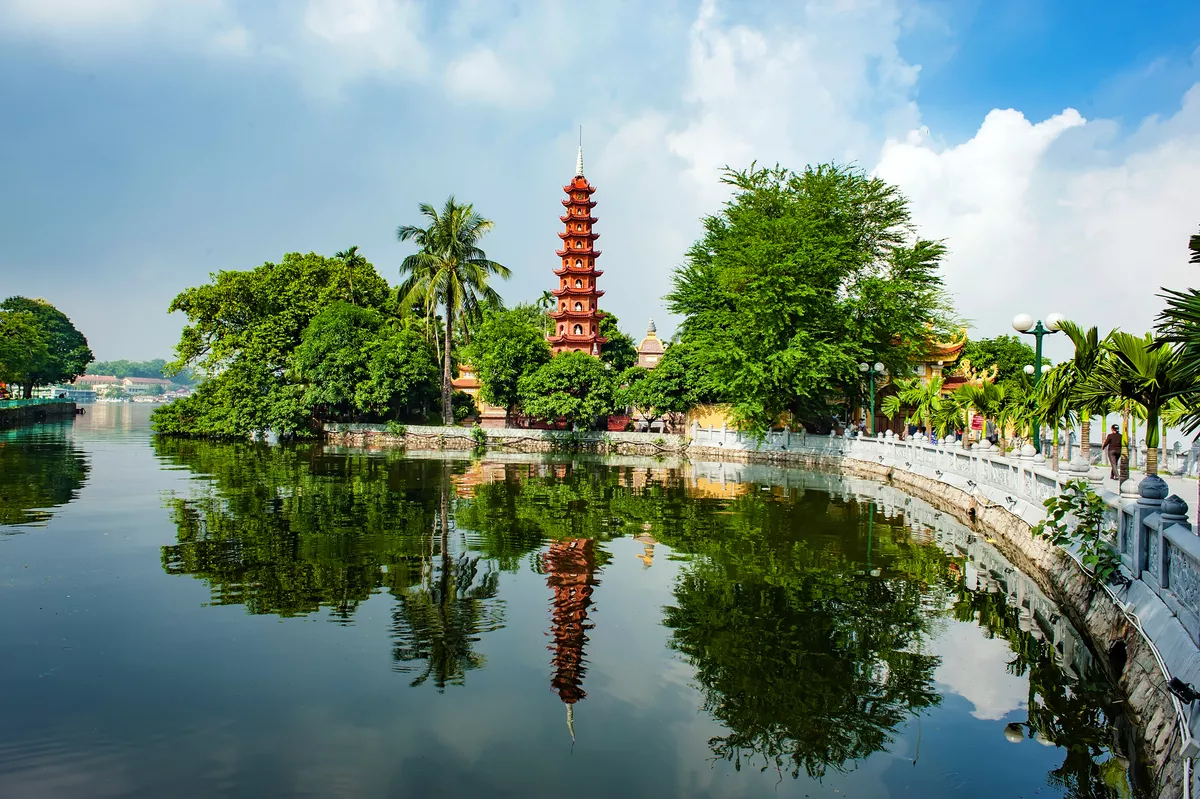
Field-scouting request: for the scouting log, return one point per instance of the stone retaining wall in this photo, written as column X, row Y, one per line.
column 35, row 413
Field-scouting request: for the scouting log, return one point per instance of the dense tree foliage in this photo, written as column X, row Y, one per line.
column 402, row 378
column 22, row 346
column 506, row 345
column 329, row 360
column 798, row 279
column 572, row 386
column 59, row 352
column 283, row 350
column 668, row 389
column 1009, row 354
column 620, row 349
column 154, row 368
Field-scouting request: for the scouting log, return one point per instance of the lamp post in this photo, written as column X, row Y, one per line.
column 870, row 370
column 1023, row 324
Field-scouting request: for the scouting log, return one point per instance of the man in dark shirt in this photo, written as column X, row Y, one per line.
column 1112, row 447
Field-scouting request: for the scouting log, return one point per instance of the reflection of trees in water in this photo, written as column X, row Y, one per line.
column 290, row 530
column 808, row 667
column 438, row 621
column 807, row 656
column 40, row 469
column 1082, row 715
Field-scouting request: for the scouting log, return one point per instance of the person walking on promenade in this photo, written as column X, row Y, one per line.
column 1112, row 447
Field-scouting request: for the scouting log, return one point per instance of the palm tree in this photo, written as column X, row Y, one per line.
column 1179, row 325
column 1143, row 372
column 546, row 301
column 449, row 271
column 923, row 398
column 985, row 398
column 1056, row 397
column 351, row 260
column 1088, row 355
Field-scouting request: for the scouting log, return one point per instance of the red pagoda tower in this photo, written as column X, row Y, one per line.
column 577, row 314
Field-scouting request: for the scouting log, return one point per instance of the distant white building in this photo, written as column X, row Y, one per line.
column 144, row 386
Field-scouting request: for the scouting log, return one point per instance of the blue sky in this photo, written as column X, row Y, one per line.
column 1055, row 146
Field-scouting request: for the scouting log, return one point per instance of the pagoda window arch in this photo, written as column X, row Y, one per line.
column 579, row 330
column 579, row 245
column 578, row 263
column 579, row 306
column 578, row 283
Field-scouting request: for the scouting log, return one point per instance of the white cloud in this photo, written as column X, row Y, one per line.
column 361, row 37
column 1059, row 215
column 481, row 76
column 973, row 666
column 80, row 27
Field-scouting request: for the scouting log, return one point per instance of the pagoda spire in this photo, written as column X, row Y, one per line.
column 579, row 160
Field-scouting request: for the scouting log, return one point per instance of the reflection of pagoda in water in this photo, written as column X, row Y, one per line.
column 570, row 573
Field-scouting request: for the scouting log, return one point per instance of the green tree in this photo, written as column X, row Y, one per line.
column 1088, row 358
column 1179, row 326
column 449, row 271
column 352, row 261
column 67, row 353
column 507, row 345
column 155, row 368
column 620, row 349
column 329, row 360
column 22, row 347
column 242, row 329
column 984, row 398
column 923, row 399
column 798, row 279
column 663, row 391
column 572, row 386
column 1009, row 354
column 402, row 375
column 1140, row 371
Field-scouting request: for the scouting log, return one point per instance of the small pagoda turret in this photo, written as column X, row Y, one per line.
column 576, row 311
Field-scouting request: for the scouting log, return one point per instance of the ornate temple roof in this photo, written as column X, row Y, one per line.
column 946, row 350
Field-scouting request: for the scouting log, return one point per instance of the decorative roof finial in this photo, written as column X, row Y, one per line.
column 650, row 331
column 579, row 161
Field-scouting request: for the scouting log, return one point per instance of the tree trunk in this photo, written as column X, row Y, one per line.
column 27, row 390
column 447, row 406
column 1085, row 433
column 1151, row 461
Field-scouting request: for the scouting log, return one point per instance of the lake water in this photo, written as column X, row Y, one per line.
column 192, row 619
